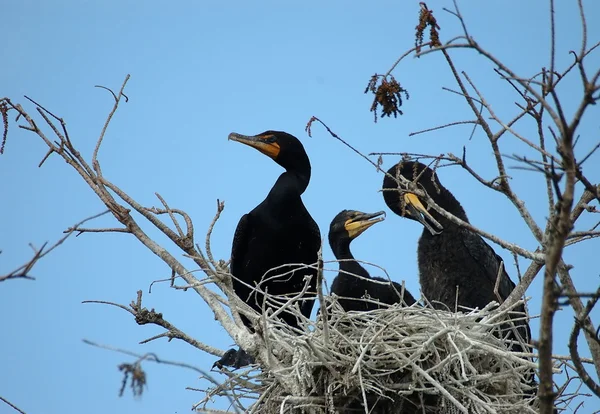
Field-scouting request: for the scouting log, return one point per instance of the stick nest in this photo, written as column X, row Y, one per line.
column 391, row 360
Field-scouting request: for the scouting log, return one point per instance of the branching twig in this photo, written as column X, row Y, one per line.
column 108, row 119
column 579, row 322
column 144, row 316
column 12, row 405
column 22, row 271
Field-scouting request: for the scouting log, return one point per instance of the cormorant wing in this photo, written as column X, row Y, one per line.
column 239, row 246
column 483, row 254
column 490, row 263
column 409, row 299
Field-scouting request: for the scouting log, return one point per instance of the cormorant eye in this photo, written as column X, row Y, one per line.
column 268, row 138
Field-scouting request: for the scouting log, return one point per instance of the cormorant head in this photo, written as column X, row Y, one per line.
column 349, row 224
column 285, row 149
column 406, row 204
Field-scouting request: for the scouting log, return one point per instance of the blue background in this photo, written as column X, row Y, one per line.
column 201, row 70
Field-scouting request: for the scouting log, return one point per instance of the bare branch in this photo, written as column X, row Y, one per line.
column 559, row 227
column 149, row 357
column 220, row 208
column 108, row 119
column 589, row 154
column 579, row 322
column 583, row 29
column 152, row 357
column 582, row 204
column 104, row 302
column 12, row 405
column 552, row 47
column 322, row 307
column 172, row 216
column 575, row 301
column 443, row 126
column 22, row 272
column 144, row 316
column 519, row 291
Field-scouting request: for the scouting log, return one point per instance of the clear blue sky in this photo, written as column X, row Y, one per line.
column 201, row 70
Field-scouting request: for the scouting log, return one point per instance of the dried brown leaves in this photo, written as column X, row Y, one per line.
column 388, row 95
column 426, row 19
column 4, row 111
column 137, row 375
column 387, row 90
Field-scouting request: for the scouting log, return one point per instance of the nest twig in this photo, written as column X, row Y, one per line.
column 396, row 359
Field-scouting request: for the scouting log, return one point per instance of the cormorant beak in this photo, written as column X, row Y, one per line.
column 356, row 225
column 267, row 144
column 417, row 210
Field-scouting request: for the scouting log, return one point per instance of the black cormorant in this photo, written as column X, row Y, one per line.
column 358, row 291
column 278, row 237
column 451, row 257
column 353, row 280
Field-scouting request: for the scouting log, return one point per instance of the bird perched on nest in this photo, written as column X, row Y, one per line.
column 359, row 291
column 450, row 257
column 353, row 281
column 278, row 237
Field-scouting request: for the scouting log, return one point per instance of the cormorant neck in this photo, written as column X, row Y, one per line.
column 302, row 178
column 288, row 188
column 341, row 249
column 348, row 265
column 297, row 166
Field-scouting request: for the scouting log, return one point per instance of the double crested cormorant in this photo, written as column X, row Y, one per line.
column 278, row 237
column 353, row 280
column 450, row 257
column 358, row 291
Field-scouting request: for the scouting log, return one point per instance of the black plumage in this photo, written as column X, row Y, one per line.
column 273, row 242
column 451, row 256
column 358, row 291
